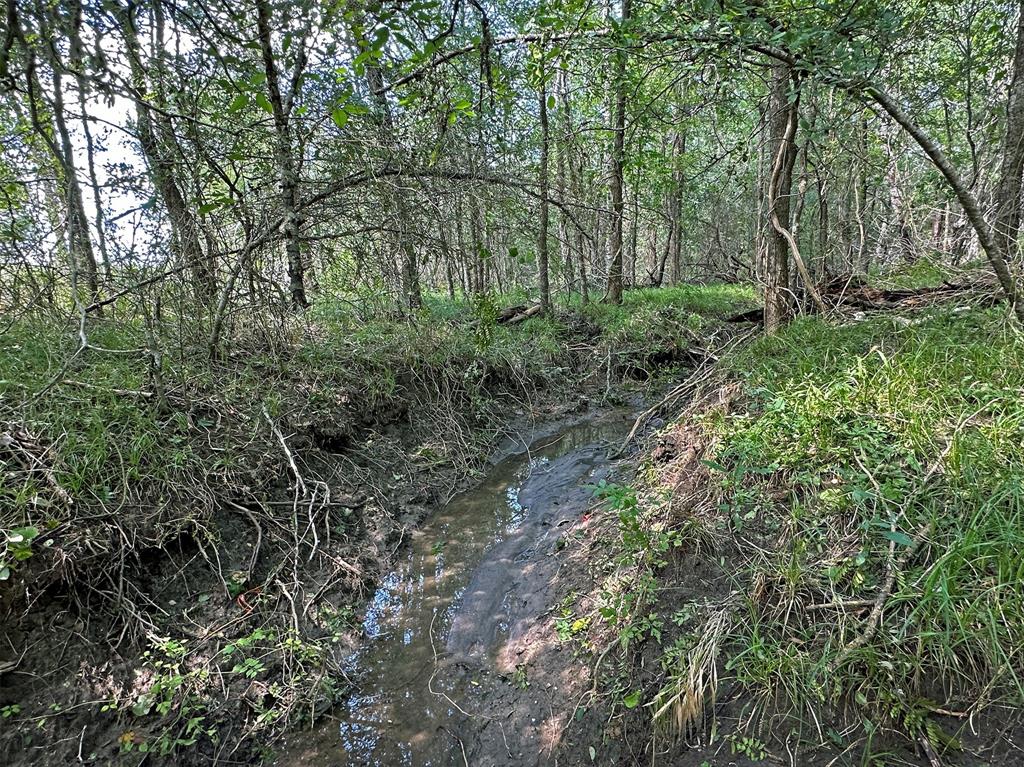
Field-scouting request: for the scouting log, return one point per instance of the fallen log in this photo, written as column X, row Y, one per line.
column 520, row 316
column 754, row 315
column 856, row 293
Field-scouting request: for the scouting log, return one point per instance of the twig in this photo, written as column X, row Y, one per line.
column 847, row 604
column 288, row 453
column 122, row 392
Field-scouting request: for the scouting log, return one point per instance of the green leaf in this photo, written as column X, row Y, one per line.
column 241, row 101
column 22, row 534
column 340, row 117
column 897, row 537
column 551, row 101
column 632, row 700
column 143, row 705
column 5, row 573
column 263, row 103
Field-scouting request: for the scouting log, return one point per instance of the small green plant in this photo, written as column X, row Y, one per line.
column 519, row 677
column 752, row 748
column 568, row 626
column 176, row 689
column 10, row 710
column 485, row 313
column 236, row 583
column 250, row 668
column 249, row 640
column 17, row 548
column 338, row 621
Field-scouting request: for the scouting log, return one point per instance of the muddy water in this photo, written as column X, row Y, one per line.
column 440, row 627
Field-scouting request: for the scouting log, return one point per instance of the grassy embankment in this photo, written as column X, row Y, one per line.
column 831, row 542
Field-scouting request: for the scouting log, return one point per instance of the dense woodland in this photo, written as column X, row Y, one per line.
column 224, row 158
column 274, row 277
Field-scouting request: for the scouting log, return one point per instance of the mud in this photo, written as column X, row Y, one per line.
column 462, row 664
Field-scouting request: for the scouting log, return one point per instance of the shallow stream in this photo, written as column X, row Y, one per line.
column 472, row 580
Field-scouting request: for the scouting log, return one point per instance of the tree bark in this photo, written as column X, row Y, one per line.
column 542, row 229
column 284, row 156
column 614, row 292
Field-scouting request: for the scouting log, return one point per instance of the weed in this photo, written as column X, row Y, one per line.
column 519, row 678
column 17, row 547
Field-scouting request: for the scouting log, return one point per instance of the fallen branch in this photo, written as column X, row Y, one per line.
column 533, row 311
column 120, row 392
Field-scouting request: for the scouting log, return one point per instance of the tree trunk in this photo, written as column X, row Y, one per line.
column 676, row 207
column 778, row 300
column 614, row 292
column 184, row 227
column 81, row 259
column 1006, row 229
column 634, row 234
column 80, row 250
column 284, row 156
column 574, row 182
column 78, row 64
column 542, row 229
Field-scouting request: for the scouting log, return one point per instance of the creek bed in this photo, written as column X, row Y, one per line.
column 440, row 626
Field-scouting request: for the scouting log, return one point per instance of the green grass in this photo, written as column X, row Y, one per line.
column 863, row 448
column 110, row 450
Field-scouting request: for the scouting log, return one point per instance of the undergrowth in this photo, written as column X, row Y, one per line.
column 863, row 499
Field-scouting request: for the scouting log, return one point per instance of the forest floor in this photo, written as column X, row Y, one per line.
column 190, row 545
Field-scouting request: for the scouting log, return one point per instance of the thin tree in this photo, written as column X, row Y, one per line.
column 614, row 291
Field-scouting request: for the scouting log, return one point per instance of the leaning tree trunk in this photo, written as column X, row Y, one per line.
column 778, row 299
column 995, row 247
